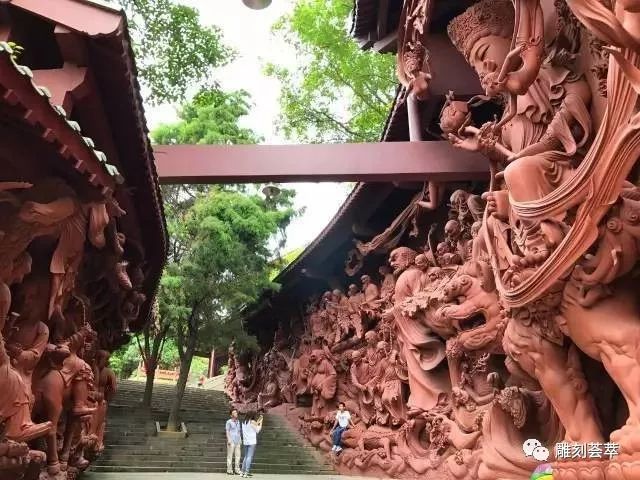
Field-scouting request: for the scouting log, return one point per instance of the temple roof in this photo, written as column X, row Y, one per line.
column 33, row 100
column 374, row 24
column 80, row 51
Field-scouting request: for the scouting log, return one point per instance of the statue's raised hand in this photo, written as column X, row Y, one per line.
column 471, row 143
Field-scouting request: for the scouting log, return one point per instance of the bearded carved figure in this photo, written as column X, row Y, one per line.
column 322, row 380
column 422, row 350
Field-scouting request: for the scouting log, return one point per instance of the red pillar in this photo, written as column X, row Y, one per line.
column 212, row 364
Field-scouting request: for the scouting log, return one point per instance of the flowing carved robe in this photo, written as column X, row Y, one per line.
column 422, row 350
column 14, row 398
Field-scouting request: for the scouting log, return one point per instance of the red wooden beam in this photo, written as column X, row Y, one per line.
column 348, row 162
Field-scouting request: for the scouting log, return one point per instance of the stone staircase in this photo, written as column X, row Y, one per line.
column 132, row 446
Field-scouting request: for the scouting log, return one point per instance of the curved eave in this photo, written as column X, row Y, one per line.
column 114, row 69
column 120, row 62
column 364, row 18
column 19, row 91
column 299, row 261
column 86, row 17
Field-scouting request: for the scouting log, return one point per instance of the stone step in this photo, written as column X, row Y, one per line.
column 220, row 446
column 212, row 465
column 208, row 469
column 132, row 449
column 196, row 435
column 129, row 459
column 132, row 446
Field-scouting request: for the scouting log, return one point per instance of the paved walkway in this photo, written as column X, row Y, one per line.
column 206, row 476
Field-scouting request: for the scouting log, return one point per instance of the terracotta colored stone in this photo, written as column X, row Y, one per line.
column 514, row 291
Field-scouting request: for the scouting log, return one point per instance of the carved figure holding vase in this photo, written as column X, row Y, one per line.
column 535, row 133
column 422, row 350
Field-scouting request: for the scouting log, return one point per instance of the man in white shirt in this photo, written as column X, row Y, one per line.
column 234, row 441
column 342, row 423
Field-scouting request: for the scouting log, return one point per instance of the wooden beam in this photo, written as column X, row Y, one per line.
column 383, row 13
column 350, row 162
column 387, row 44
column 72, row 46
column 93, row 19
column 67, row 85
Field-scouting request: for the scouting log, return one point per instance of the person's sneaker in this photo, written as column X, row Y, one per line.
column 338, row 449
column 229, row 473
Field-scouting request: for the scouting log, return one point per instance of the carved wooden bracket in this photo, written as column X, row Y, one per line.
column 413, row 57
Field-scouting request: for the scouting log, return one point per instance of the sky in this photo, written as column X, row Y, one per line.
column 249, row 33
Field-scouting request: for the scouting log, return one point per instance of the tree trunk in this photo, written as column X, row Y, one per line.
column 151, row 356
column 148, row 388
column 173, row 424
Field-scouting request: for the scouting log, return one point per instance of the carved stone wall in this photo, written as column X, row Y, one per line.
column 519, row 318
column 67, row 295
column 71, row 280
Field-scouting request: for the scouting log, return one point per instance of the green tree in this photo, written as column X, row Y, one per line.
column 175, row 52
column 337, row 93
column 125, row 360
column 211, row 117
column 151, row 349
column 224, row 264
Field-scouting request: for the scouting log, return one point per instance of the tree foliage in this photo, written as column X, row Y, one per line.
column 175, row 52
column 211, row 117
column 125, row 360
column 337, row 92
column 225, row 260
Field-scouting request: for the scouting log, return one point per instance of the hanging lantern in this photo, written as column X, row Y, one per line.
column 257, row 4
column 270, row 190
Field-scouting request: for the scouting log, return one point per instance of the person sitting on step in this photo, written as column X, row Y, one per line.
column 342, row 423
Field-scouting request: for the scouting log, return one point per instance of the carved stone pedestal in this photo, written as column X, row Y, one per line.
column 621, row 467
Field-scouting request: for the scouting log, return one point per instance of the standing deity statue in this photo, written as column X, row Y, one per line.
column 322, row 379
column 359, row 374
column 339, row 309
column 389, row 399
column 422, row 350
column 388, row 283
column 370, row 289
column 543, row 128
column 106, row 384
column 356, row 299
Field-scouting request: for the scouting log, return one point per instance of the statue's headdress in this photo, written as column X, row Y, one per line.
column 487, row 17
